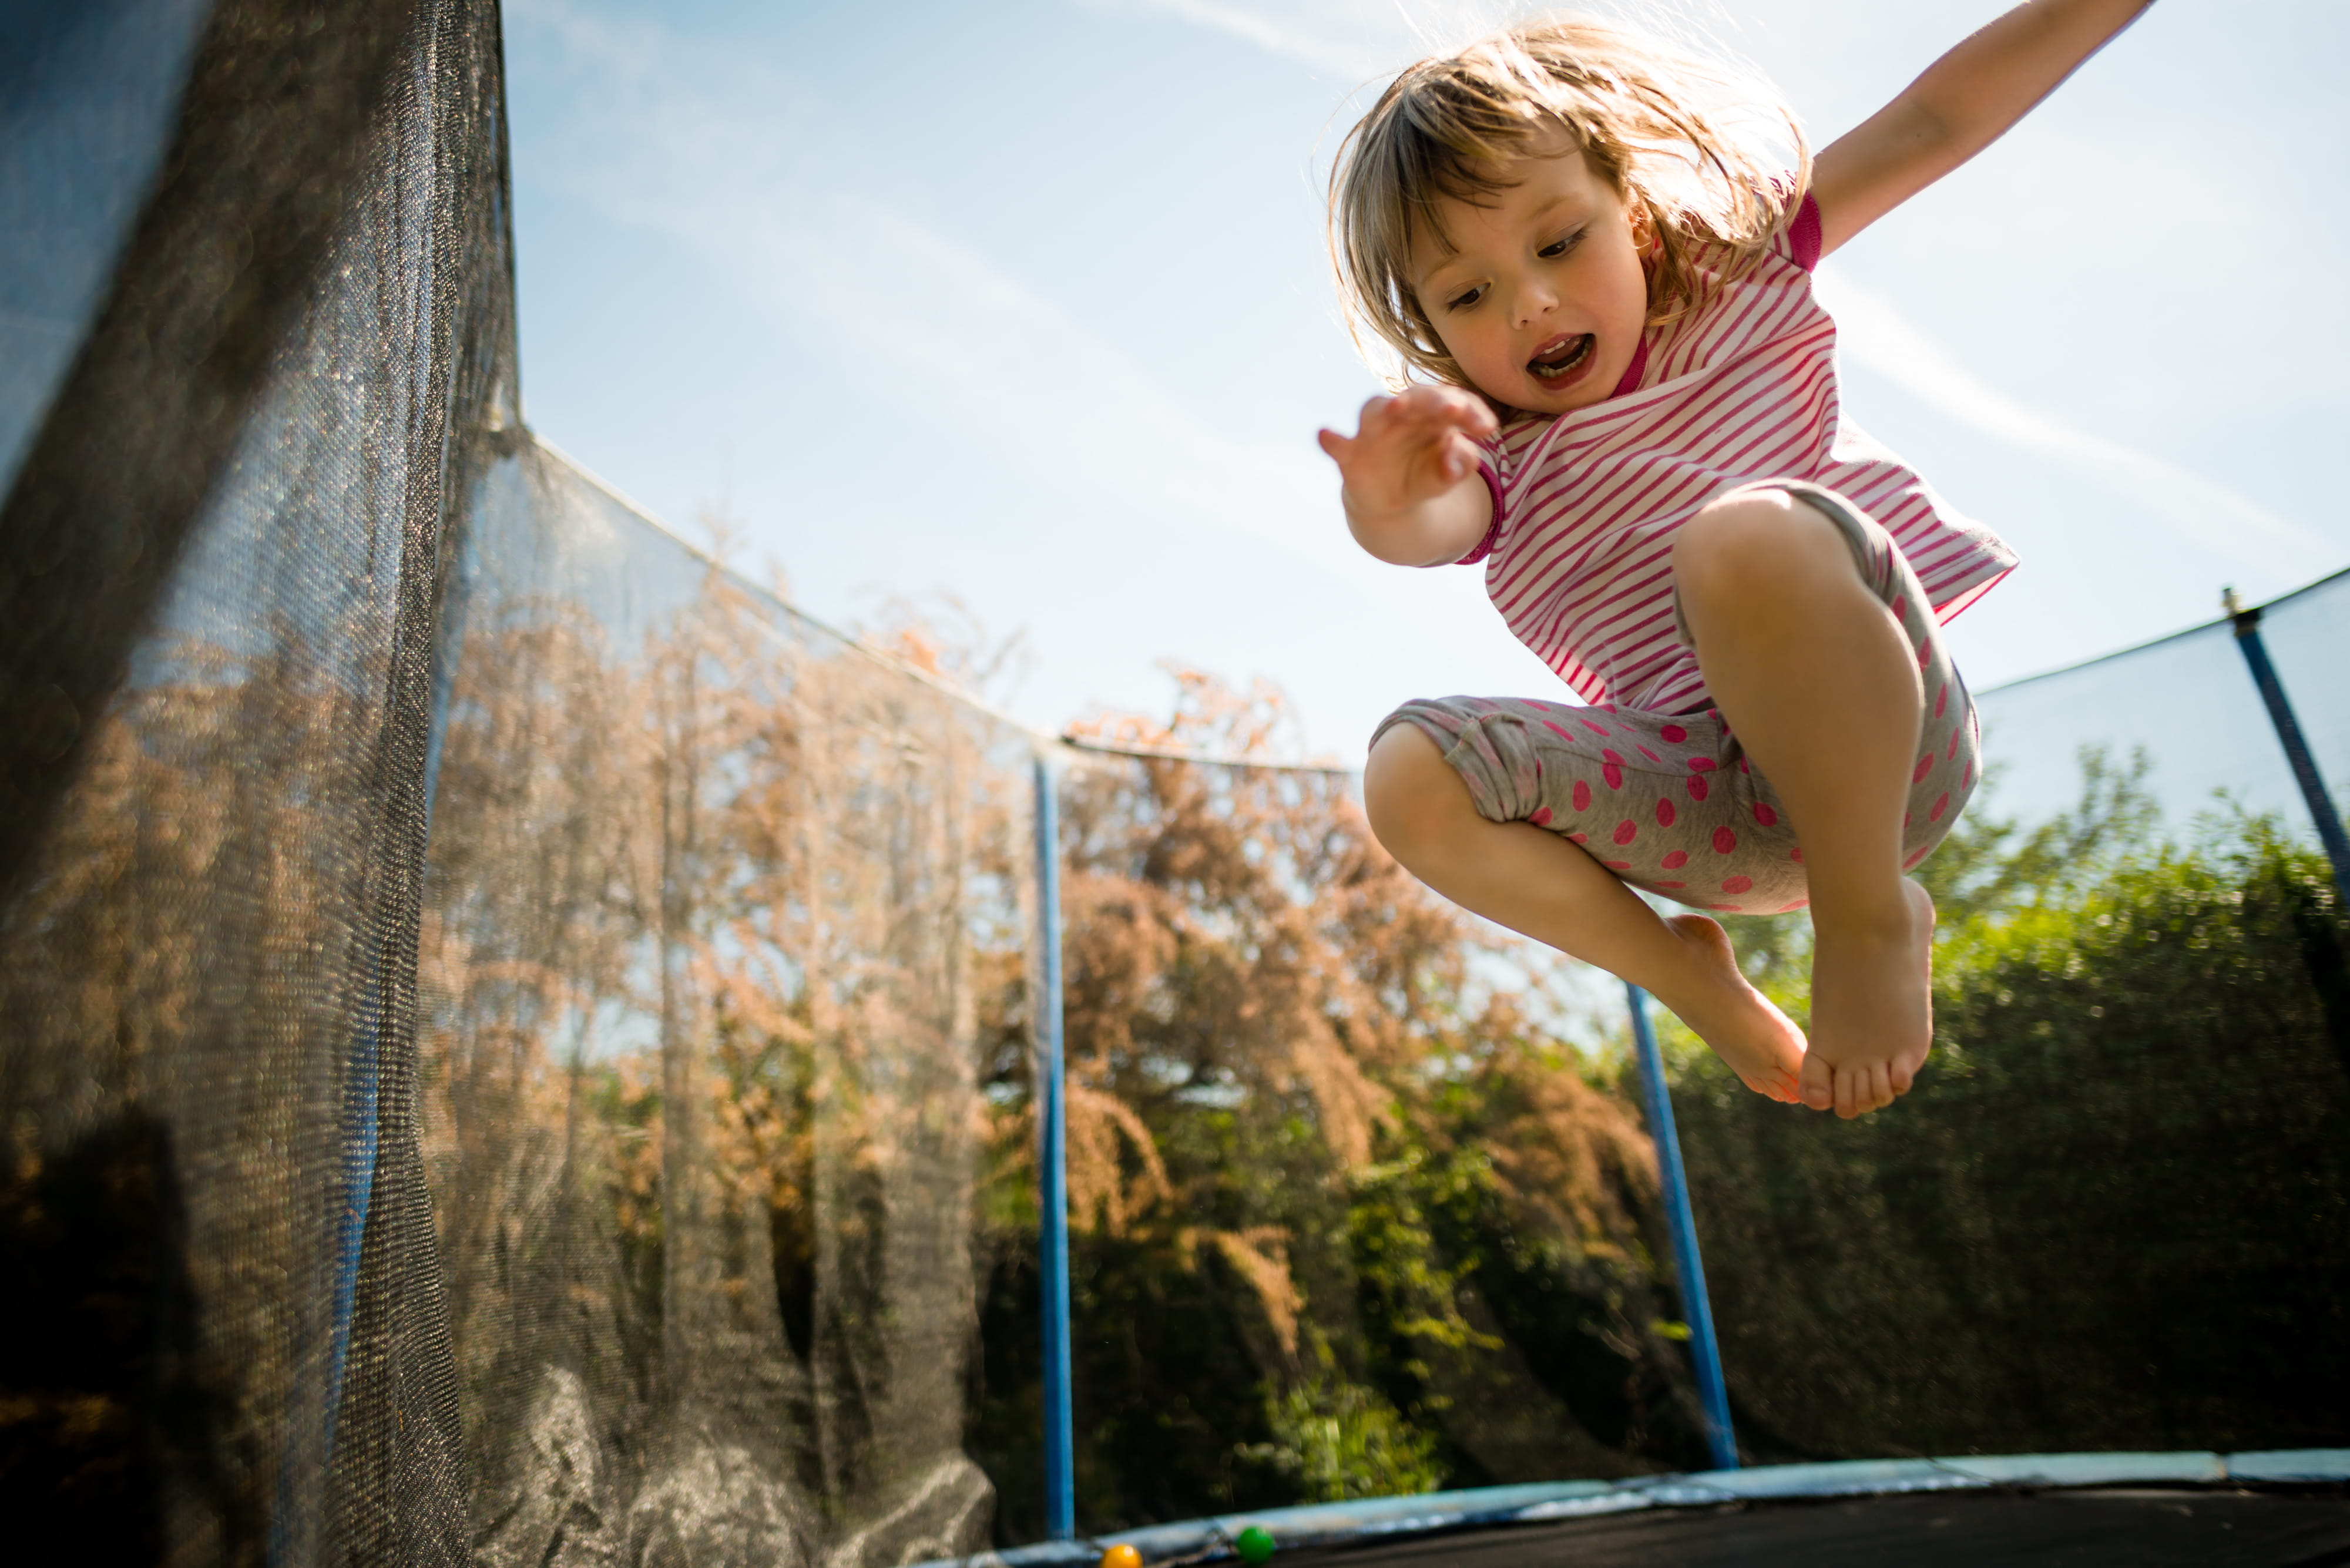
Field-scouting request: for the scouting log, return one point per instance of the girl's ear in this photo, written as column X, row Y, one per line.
column 1644, row 230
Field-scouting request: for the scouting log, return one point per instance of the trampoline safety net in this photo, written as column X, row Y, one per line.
column 518, row 1048
column 376, row 1201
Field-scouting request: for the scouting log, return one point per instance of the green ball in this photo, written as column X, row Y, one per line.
column 1254, row 1545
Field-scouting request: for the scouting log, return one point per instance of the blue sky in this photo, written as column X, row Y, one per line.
column 1025, row 303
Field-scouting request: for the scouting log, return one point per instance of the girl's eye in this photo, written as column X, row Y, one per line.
column 1559, row 247
column 1466, row 298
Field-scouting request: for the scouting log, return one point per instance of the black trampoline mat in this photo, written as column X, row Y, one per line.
column 2142, row 1529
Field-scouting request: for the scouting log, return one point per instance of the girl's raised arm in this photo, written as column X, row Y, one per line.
column 1964, row 102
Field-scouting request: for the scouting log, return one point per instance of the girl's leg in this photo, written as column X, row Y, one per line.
column 1817, row 681
column 1537, row 883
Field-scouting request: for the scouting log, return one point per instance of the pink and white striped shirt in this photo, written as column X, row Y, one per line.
column 1586, row 503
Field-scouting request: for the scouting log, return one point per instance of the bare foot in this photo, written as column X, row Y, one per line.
column 1872, row 1006
column 1760, row 1043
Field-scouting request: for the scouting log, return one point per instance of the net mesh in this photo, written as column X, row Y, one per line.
column 721, row 917
column 2186, row 704
column 391, row 1203
column 518, row 1043
column 1351, row 1213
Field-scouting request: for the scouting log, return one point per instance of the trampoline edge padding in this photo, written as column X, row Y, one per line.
column 1324, row 1523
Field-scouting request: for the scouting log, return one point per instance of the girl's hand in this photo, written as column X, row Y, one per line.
column 1410, row 475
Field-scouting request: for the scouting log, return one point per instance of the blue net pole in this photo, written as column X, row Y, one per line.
column 1721, row 1441
column 1052, row 1175
column 2297, row 747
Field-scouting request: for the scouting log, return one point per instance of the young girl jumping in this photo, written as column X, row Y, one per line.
column 1588, row 257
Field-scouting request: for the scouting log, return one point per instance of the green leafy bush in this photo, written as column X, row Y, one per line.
column 2112, row 1215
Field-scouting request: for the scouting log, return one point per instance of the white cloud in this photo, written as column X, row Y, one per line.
column 1873, row 332
column 1371, row 39
column 1355, row 39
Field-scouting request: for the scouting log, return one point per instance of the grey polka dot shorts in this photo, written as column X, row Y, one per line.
column 1668, row 801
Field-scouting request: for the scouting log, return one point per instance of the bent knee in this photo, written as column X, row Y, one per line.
column 1410, row 794
column 1750, row 537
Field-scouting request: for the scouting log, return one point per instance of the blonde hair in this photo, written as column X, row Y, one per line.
column 1689, row 142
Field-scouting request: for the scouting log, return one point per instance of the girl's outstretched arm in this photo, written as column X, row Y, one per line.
column 1964, row 102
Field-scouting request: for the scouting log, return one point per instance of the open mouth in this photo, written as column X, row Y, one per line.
column 1562, row 358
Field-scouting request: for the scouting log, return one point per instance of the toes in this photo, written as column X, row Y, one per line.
column 1908, row 1065
column 1817, row 1083
column 1849, row 1090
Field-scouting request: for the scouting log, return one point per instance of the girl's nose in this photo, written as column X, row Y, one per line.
column 1533, row 301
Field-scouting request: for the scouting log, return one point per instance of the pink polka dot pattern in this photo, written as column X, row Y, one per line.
column 1627, row 830
column 1925, row 765
column 1675, row 860
column 1664, row 811
column 1672, row 734
column 1724, row 841
column 1541, row 818
column 1582, row 795
column 1764, row 816
column 1697, row 786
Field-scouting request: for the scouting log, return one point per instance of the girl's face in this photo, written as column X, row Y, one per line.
column 1540, row 296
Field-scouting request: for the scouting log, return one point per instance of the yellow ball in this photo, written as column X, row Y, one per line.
column 1121, row 1556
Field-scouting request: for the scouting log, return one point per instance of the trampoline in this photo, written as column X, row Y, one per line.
column 2181, row 1507
column 523, row 1048
column 2148, row 1527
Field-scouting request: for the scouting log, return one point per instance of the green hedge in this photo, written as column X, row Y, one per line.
column 2113, row 1214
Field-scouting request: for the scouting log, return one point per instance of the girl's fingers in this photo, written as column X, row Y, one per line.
column 1460, row 456
column 1447, row 406
column 1428, row 409
column 1336, row 445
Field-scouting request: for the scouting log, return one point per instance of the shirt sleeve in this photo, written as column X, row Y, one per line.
column 1493, row 529
column 1804, row 234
